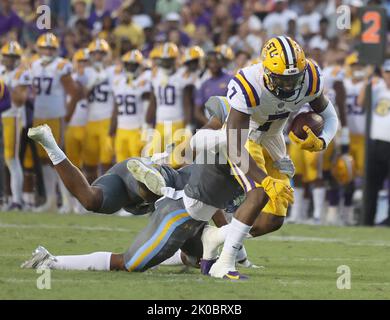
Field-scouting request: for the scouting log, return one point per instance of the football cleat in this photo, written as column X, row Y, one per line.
column 234, row 275
column 147, row 174
column 41, row 258
column 219, row 270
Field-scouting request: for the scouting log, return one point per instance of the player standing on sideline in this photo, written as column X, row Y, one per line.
column 167, row 108
column 349, row 164
column 192, row 61
column 75, row 131
column 52, row 82
column 130, row 90
column 5, row 103
column 18, row 79
column 261, row 97
column 313, row 169
column 98, row 147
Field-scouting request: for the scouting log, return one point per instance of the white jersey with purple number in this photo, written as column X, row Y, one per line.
column 247, row 93
column 100, row 98
column 50, row 95
column 356, row 115
column 128, row 98
column 168, row 89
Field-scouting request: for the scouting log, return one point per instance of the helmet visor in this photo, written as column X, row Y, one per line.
column 287, row 83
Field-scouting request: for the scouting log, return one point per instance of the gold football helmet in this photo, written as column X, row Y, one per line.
column 343, row 169
column 48, row 40
column 226, row 52
column 192, row 53
column 133, row 56
column 81, row 55
column 284, row 64
column 99, row 45
column 12, row 48
column 167, row 55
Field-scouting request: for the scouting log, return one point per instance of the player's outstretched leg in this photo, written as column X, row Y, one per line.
column 90, row 197
column 98, row 261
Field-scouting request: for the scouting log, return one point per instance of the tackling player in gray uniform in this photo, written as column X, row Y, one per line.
column 171, row 226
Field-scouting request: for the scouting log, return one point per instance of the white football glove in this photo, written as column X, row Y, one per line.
column 285, row 166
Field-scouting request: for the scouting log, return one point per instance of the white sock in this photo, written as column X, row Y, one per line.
column 175, row 260
column 97, row 261
column 217, row 237
column 29, row 198
column 16, row 175
column 236, row 233
column 332, row 215
column 241, row 255
column 297, row 206
column 50, row 182
column 348, row 215
column 319, row 195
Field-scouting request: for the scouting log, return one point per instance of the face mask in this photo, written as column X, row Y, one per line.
column 47, row 59
column 98, row 65
column 359, row 74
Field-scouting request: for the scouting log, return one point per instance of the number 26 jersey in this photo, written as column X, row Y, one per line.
column 128, row 99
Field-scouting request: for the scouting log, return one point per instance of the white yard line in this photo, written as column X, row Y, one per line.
column 348, row 241
column 272, row 238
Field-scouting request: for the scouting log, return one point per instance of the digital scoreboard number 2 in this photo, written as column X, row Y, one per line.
column 373, row 35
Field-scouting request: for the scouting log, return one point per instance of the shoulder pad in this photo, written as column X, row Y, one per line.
column 314, row 78
column 251, row 97
column 62, row 63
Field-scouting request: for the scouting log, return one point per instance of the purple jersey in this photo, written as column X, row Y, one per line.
column 5, row 97
column 212, row 87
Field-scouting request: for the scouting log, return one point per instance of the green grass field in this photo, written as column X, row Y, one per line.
column 300, row 262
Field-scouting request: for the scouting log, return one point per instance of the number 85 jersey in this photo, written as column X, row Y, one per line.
column 50, row 95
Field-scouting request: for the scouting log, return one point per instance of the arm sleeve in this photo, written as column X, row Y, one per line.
column 331, row 123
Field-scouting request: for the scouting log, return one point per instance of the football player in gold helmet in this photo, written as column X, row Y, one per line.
column 18, row 80
column 261, row 97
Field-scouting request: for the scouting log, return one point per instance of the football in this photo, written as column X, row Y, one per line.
column 311, row 119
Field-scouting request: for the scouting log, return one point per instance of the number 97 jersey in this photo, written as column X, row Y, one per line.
column 128, row 99
column 50, row 95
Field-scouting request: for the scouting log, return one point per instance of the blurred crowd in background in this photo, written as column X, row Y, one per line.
column 242, row 24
